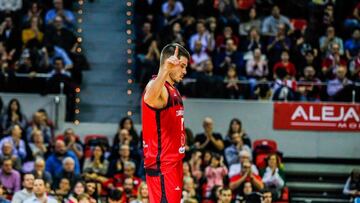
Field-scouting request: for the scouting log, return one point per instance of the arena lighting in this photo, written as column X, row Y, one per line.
column 129, row 71
column 129, row 113
column 79, row 39
column 129, row 51
column 129, row 92
column 79, row 30
column 128, row 13
column 80, row 20
column 77, row 111
column 129, row 3
column 78, row 49
column 128, row 31
column 80, row 11
column 130, row 81
column 76, row 122
column 81, row 2
column 129, row 41
column 129, row 61
column 128, row 22
column 77, row 100
column 77, row 90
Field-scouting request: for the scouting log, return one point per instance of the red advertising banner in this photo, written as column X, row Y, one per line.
column 316, row 116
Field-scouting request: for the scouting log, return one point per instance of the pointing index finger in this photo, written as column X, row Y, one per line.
column 176, row 53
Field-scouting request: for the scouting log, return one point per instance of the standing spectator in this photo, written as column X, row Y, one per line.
column 9, row 177
column 172, row 11
column 54, row 163
column 339, row 89
column 203, row 35
column 215, row 173
column 326, row 42
column 270, row 26
column 40, row 172
column 246, row 175
column 13, row 116
column 19, row 148
column 27, row 191
column 273, row 176
column 352, row 185
column 208, row 140
column 309, row 85
column 59, row 10
column 225, row 195
column 40, row 193
column 252, row 23
column 287, row 64
column 352, row 45
column 232, row 151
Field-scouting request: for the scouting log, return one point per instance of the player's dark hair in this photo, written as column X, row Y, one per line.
column 169, row 50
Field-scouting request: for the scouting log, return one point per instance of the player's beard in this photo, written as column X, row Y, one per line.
column 175, row 78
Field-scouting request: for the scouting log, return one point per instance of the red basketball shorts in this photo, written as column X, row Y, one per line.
column 166, row 188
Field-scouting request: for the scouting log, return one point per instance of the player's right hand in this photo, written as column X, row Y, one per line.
column 172, row 61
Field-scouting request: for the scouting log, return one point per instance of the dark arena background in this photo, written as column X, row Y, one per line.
column 275, row 83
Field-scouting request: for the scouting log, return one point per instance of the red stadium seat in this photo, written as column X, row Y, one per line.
column 299, row 24
column 93, row 140
column 265, row 145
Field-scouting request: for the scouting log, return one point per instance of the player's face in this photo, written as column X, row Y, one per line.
column 179, row 71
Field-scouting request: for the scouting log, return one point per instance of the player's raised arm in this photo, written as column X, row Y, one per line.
column 156, row 94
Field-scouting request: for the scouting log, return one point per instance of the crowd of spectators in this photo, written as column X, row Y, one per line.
column 39, row 48
column 37, row 164
column 295, row 50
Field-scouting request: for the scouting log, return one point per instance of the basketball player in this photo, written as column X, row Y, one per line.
column 163, row 127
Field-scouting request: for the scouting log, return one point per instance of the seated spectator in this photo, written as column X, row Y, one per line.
column 203, row 35
column 246, row 175
column 128, row 124
column 3, row 195
column 267, row 197
column 60, row 36
column 27, row 191
column 39, row 123
column 7, row 153
column 59, row 10
column 27, row 63
column 189, row 193
column 198, row 58
column 186, row 170
column 352, row 45
column 227, row 34
column 123, row 137
column 172, row 11
column 51, row 54
column 225, row 58
column 326, row 42
column 354, row 68
column 40, row 193
column 95, row 167
column 129, row 191
column 332, row 61
column 235, row 126
column 277, row 44
column 77, row 191
column 339, row 89
column 225, row 195
column 54, row 163
column 195, row 164
column 115, row 196
column 209, row 140
column 245, row 194
column 19, row 147
column 253, row 23
column 117, row 164
column 354, row 19
column 67, row 171
column 63, row 189
column 13, row 116
column 252, row 42
column 72, row 142
column 33, row 32
column 273, row 176
column 40, row 172
column 270, row 26
column 287, row 64
column 232, row 86
column 215, row 173
column 143, row 194
column 232, row 152
column 309, row 85
column 34, row 11
column 91, row 190
column 236, row 168
column 352, row 185
column 10, row 178
column 256, row 69
column 208, row 84
column 284, row 87
column 117, row 180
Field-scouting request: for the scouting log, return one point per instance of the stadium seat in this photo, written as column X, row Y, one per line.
column 92, row 140
column 299, row 24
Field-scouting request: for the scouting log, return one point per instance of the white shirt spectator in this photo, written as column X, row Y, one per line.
column 271, row 179
column 198, row 58
column 270, row 24
column 205, row 40
column 177, row 10
column 235, row 169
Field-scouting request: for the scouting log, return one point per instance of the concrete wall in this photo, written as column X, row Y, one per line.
column 257, row 119
column 32, row 102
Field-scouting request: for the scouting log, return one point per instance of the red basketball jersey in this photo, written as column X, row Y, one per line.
column 163, row 133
